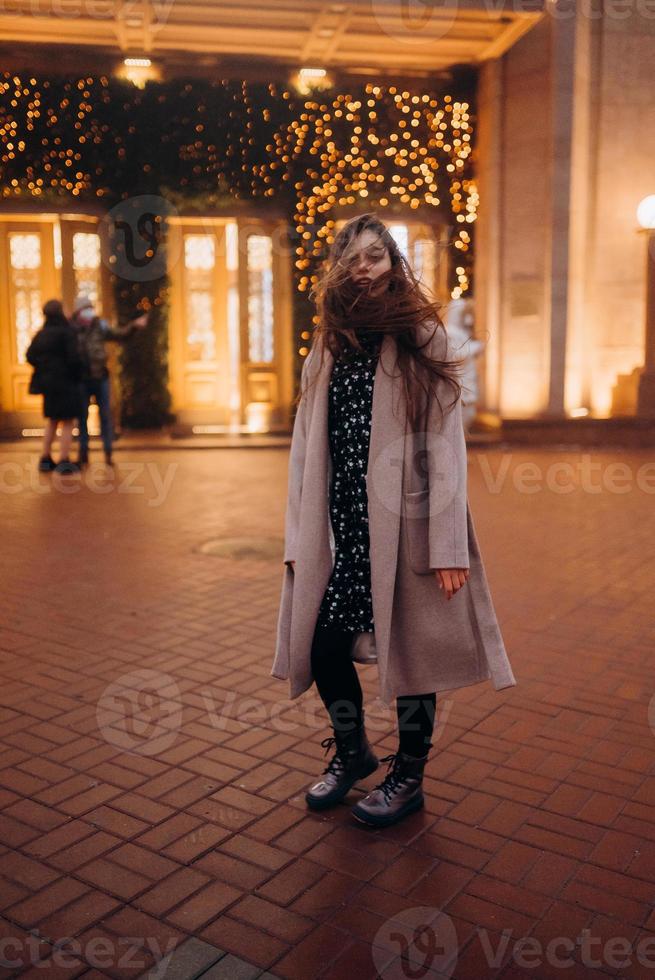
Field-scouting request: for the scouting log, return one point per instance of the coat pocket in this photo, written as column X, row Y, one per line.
column 416, row 523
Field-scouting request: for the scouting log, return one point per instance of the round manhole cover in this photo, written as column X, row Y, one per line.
column 243, row 548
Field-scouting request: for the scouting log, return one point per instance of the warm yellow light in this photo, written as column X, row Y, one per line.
column 646, row 213
column 309, row 78
column 138, row 71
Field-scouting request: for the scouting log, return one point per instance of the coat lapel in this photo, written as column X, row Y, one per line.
column 314, row 559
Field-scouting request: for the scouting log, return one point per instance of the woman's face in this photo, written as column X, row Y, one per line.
column 367, row 258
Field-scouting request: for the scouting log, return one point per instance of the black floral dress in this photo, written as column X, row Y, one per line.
column 347, row 602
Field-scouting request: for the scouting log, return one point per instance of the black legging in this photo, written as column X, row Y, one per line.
column 338, row 685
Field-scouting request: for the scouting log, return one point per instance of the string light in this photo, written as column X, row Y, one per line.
column 376, row 146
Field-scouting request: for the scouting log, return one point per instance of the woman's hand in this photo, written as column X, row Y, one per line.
column 451, row 579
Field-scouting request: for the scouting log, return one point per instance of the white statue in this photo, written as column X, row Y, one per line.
column 459, row 322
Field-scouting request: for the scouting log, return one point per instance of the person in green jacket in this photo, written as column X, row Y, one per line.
column 93, row 331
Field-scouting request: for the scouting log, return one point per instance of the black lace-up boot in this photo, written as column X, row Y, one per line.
column 46, row 464
column 353, row 759
column 399, row 794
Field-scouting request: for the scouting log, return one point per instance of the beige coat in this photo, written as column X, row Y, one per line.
column 419, row 520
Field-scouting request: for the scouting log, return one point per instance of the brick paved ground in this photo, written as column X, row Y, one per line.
column 152, row 772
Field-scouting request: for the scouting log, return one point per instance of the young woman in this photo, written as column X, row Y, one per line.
column 379, row 543
column 55, row 357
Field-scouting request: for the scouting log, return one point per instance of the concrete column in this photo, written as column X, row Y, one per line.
column 516, row 233
column 646, row 391
column 534, row 137
column 583, row 185
column 489, row 232
column 562, row 95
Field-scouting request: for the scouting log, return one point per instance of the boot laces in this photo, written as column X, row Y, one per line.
column 395, row 776
column 336, row 763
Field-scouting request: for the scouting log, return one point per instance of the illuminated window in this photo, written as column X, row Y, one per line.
column 25, row 266
column 56, row 244
column 425, row 262
column 86, row 265
column 199, row 266
column 400, row 234
column 260, row 298
column 233, row 319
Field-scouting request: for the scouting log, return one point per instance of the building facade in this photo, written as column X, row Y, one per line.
column 567, row 144
column 564, row 137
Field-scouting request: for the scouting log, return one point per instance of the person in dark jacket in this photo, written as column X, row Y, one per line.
column 92, row 332
column 55, row 357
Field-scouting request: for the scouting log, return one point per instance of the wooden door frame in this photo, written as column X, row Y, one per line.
column 11, row 372
column 278, row 374
column 57, row 281
column 70, row 224
column 178, row 227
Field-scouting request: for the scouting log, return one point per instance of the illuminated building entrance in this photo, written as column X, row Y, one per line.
column 230, row 333
column 42, row 256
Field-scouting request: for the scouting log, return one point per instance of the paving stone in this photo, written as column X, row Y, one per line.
column 188, row 961
column 190, row 824
column 232, row 968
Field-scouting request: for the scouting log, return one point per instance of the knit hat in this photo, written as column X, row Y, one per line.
column 82, row 302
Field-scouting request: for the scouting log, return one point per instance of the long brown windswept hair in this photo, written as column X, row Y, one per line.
column 347, row 311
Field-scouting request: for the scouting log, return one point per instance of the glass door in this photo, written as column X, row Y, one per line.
column 230, row 338
column 201, row 365
column 29, row 277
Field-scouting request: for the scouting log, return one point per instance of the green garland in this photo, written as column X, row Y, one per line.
column 225, row 146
